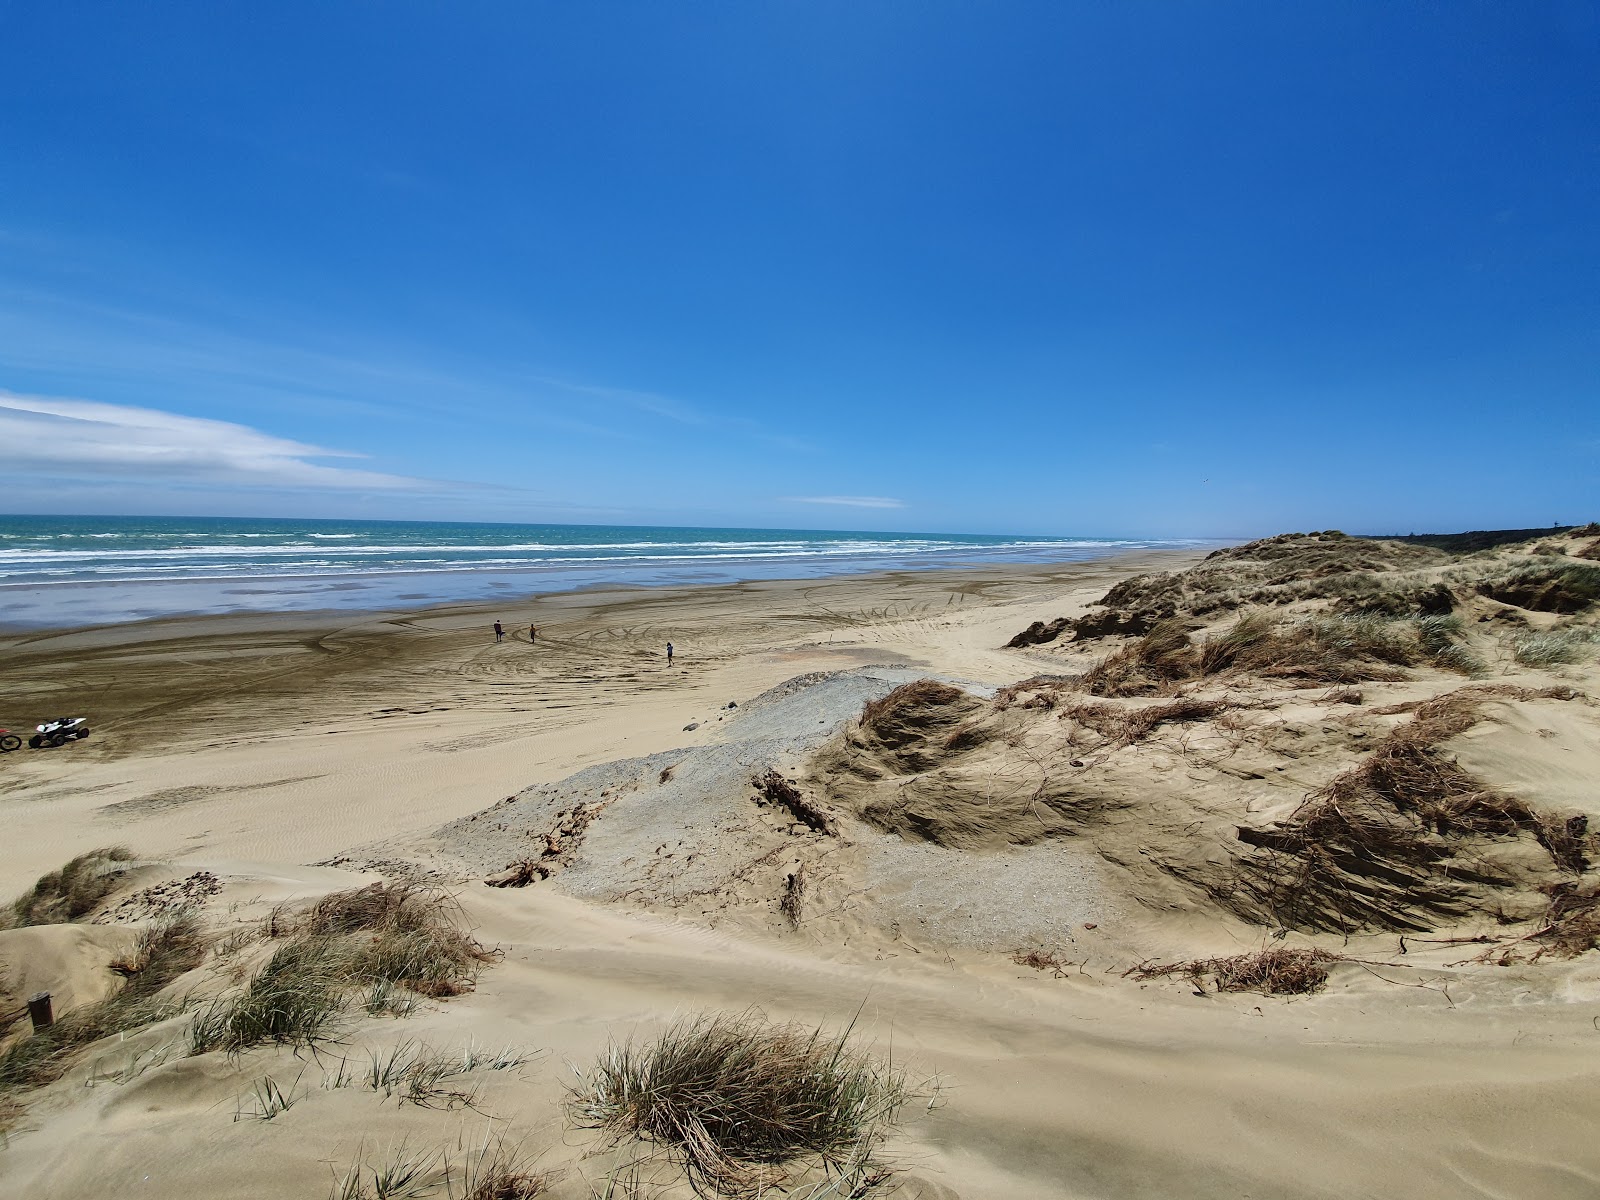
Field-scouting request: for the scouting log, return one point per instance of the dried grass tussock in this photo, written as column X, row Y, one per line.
column 381, row 937
column 741, row 1103
column 1398, row 842
column 71, row 893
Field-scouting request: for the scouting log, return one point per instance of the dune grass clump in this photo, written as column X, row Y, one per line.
column 1278, row 971
column 71, row 893
column 165, row 950
column 397, row 933
column 400, row 1174
column 738, row 1101
column 1160, row 658
column 1439, row 638
column 1321, row 649
column 1555, row 647
column 495, row 1170
column 499, row 1170
column 1558, row 586
column 379, row 938
column 1333, row 649
column 293, row 999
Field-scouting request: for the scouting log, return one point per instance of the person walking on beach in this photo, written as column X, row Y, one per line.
column 499, row 632
column 669, row 654
column 533, row 634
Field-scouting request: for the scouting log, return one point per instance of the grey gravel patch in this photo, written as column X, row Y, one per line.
column 681, row 830
column 680, row 821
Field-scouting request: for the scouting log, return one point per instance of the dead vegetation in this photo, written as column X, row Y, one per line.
column 71, row 893
column 1279, row 971
column 1161, row 658
column 792, row 902
column 1042, row 960
column 558, row 844
column 909, row 717
column 1125, row 726
column 1038, row 691
column 381, row 937
column 943, row 766
column 741, row 1103
column 1571, row 924
column 1400, row 841
column 1314, row 650
column 773, row 788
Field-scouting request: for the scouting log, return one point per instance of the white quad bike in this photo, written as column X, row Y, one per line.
column 59, row 732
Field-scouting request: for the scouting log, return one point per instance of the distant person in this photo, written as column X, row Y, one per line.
column 669, row 654
column 499, row 632
column 533, row 633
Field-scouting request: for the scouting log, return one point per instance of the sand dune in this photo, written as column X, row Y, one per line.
column 886, row 827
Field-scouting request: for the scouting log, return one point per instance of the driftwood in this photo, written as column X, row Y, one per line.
column 777, row 790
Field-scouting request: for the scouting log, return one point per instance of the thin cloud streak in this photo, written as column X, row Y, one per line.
column 50, row 436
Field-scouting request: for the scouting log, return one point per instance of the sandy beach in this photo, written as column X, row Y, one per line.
column 287, row 738
column 262, row 761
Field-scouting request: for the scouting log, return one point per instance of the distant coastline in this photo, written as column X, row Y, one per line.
column 69, row 571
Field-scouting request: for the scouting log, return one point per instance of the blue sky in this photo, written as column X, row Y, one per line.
column 1188, row 269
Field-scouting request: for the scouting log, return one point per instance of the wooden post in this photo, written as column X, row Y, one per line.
column 39, row 1011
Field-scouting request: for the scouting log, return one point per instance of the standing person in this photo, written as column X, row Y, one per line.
column 669, row 654
column 499, row 632
column 533, row 634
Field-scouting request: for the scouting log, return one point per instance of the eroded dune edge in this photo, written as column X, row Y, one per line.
column 1263, row 874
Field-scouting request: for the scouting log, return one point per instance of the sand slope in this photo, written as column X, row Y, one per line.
column 941, row 831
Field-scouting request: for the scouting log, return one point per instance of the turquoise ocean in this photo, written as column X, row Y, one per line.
column 69, row 571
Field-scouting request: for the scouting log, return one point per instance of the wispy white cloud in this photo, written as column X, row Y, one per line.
column 84, row 439
column 850, row 501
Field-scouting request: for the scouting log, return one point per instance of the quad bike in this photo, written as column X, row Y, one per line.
column 59, row 732
column 9, row 741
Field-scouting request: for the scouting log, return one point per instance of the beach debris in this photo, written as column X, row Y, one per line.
column 1278, row 971
column 794, row 890
column 1124, row 726
column 773, row 788
column 691, row 726
column 561, row 842
column 1042, row 960
column 162, row 898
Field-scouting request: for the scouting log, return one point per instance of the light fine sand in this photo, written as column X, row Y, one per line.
column 291, row 757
